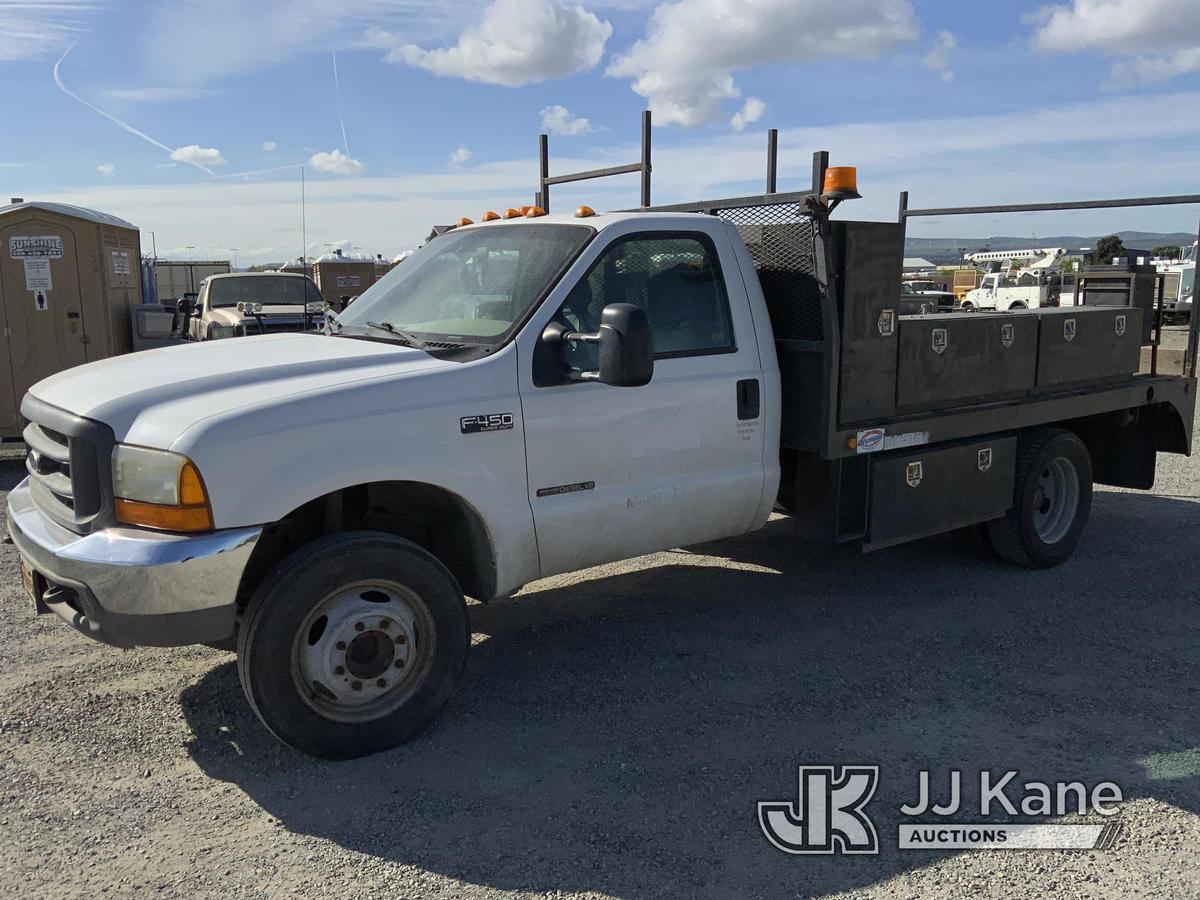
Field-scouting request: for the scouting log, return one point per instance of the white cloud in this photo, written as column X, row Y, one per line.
column 1152, row 40
column 198, row 156
column 459, row 156
column 517, row 42
column 269, row 146
column 106, row 169
column 336, row 162
column 157, row 94
column 684, row 65
column 751, row 111
column 560, row 121
column 34, row 29
column 938, row 57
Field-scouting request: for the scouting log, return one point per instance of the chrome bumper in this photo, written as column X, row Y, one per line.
column 129, row 587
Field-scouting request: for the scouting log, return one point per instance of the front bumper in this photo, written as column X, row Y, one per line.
column 128, row 587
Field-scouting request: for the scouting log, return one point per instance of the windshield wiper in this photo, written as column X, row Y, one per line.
column 410, row 339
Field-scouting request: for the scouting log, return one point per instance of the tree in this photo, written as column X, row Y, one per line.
column 1106, row 248
column 1166, row 251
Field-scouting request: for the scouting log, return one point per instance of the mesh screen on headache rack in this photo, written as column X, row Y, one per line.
column 781, row 238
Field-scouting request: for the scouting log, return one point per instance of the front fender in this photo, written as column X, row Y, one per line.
column 261, row 464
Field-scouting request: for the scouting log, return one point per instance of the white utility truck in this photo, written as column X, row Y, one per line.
column 538, row 393
column 1002, row 292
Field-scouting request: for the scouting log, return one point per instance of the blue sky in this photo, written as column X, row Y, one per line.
column 441, row 103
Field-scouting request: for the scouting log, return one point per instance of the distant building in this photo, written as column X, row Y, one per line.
column 917, row 264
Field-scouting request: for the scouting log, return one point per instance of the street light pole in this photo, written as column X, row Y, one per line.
column 234, row 251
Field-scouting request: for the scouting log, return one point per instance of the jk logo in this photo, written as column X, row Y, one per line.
column 828, row 815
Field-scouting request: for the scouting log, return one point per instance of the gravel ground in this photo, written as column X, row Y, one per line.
column 616, row 728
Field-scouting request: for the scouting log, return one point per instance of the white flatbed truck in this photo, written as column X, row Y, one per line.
column 541, row 393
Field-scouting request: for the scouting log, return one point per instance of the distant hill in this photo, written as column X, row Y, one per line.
column 946, row 250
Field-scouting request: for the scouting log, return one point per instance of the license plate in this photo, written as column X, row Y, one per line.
column 29, row 583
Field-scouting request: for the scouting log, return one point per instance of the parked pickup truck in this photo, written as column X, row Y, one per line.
column 237, row 304
column 538, row 394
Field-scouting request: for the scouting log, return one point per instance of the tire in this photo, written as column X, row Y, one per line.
column 1051, row 501
column 353, row 644
column 968, row 307
column 1018, row 304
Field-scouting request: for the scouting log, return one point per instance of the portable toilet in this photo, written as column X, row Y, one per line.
column 340, row 274
column 68, row 279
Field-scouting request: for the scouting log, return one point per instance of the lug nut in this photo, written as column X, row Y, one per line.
column 358, row 626
column 382, row 682
column 401, row 639
column 340, row 670
column 357, row 685
column 384, row 624
column 341, row 645
column 399, row 664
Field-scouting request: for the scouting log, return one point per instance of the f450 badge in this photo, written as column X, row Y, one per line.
column 486, row 422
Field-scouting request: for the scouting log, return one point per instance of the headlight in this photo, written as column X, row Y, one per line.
column 159, row 489
column 216, row 331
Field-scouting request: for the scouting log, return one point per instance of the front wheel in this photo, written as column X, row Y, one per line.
column 353, row 644
column 1051, row 501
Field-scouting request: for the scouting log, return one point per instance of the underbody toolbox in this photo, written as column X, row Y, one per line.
column 928, row 491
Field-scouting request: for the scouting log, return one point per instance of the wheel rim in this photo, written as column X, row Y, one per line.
column 363, row 651
column 1055, row 500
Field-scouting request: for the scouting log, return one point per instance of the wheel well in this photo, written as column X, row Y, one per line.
column 431, row 517
column 1124, row 444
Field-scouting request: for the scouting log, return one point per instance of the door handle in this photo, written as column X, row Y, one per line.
column 747, row 399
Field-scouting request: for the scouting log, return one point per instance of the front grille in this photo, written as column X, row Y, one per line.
column 781, row 238
column 49, row 463
column 69, row 466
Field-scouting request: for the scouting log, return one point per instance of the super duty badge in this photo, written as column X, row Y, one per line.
column 488, row 422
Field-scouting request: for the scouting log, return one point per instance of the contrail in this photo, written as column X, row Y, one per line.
column 337, row 91
column 258, row 171
column 125, row 125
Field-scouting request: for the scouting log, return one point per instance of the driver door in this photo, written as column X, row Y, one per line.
column 616, row 472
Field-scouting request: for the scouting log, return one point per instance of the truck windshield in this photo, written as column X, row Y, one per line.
column 470, row 286
column 269, row 290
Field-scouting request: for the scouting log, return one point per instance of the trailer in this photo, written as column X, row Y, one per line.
column 174, row 279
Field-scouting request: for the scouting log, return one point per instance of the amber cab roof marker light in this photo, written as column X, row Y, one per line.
column 465, row 221
column 511, row 213
column 491, row 216
column 532, row 212
column 584, row 212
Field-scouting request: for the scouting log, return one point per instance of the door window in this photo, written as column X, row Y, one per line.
column 675, row 278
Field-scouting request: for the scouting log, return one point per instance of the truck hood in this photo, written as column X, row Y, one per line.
column 152, row 397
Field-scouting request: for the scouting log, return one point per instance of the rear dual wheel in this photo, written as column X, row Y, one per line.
column 1051, row 501
column 353, row 644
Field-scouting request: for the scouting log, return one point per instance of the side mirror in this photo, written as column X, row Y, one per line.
column 626, row 346
column 185, row 306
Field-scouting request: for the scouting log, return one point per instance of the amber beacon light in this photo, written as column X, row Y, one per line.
column 841, row 183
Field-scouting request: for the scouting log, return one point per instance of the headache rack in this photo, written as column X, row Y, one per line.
column 852, row 365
